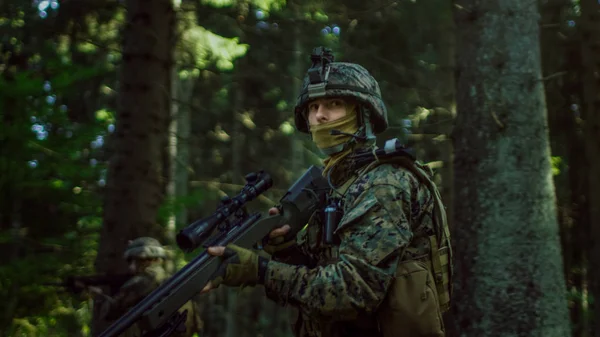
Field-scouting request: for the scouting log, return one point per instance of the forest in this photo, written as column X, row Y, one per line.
column 129, row 118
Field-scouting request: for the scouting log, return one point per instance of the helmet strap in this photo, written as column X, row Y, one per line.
column 365, row 126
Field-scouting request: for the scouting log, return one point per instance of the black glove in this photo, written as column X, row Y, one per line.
column 240, row 267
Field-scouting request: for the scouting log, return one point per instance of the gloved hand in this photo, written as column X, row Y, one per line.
column 276, row 239
column 240, row 267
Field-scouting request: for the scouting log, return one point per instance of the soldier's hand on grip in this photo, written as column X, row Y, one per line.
column 277, row 242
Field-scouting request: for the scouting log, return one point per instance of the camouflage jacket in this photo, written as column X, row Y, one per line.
column 135, row 290
column 387, row 218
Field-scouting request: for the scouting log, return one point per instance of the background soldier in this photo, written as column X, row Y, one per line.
column 146, row 258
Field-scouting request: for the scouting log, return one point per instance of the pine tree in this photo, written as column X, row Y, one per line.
column 509, row 275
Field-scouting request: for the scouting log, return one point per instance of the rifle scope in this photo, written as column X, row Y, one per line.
column 195, row 234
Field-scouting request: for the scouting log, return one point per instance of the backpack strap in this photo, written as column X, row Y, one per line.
column 362, row 171
column 441, row 248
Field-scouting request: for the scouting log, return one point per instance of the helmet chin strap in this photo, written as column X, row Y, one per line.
column 366, row 128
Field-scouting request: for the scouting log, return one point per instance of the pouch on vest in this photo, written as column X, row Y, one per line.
column 411, row 307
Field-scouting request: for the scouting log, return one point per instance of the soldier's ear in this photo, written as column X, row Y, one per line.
column 129, row 242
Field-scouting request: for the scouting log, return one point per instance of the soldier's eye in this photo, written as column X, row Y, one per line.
column 336, row 103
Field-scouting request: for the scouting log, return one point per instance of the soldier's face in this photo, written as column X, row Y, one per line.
column 133, row 265
column 138, row 265
column 324, row 110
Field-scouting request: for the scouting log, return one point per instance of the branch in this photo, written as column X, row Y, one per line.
column 217, row 185
column 497, row 120
column 555, row 75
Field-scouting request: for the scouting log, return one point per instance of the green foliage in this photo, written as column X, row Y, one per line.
column 263, row 4
column 557, row 163
column 175, row 205
column 206, row 47
column 52, row 170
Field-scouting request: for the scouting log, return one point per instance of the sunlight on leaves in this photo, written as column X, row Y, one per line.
column 106, row 116
column 272, row 94
column 218, row 3
column 209, row 46
column 556, row 163
column 286, row 128
column 320, row 17
column 86, row 47
column 262, row 4
column 246, row 119
column 282, row 105
column 268, row 135
column 57, row 183
column 269, row 4
column 220, row 134
column 24, row 326
column 89, row 222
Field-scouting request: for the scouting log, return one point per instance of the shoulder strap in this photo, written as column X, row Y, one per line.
column 342, row 190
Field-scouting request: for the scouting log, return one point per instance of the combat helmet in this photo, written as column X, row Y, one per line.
column 144, row 248
column 326, row 78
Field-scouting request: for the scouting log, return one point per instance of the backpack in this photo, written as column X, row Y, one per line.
column 422, row 288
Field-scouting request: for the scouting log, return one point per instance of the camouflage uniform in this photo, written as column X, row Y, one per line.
column 388, row 220
column 142, row 284
column 387, row 212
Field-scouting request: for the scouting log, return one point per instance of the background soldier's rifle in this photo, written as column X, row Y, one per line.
column 157, row 313
column 77, row 284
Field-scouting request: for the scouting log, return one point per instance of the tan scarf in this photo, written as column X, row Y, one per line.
column 323, row 140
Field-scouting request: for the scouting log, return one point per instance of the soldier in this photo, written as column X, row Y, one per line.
column 387, row 271
column 146, row 258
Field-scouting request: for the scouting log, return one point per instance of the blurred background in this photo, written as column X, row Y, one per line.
column 73, row 96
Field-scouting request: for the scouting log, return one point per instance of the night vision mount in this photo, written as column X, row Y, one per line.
column 319, row 71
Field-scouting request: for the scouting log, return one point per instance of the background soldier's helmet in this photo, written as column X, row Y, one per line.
column 145, row 248
column 338, row 79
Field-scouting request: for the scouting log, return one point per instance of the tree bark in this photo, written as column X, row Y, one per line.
column 509, row 276
column 136, row 177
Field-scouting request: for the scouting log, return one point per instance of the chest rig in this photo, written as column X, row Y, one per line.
column 334, row 208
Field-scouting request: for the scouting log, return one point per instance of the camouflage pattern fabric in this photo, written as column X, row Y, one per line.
column 346, row 80
column 135, row 290
column 387, row 219
column 145, row 248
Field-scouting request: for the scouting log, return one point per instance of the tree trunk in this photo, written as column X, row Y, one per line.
column 11, row 180
column 590, row 43
column 135, row 184
column 179, row 147
column 509, row 277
